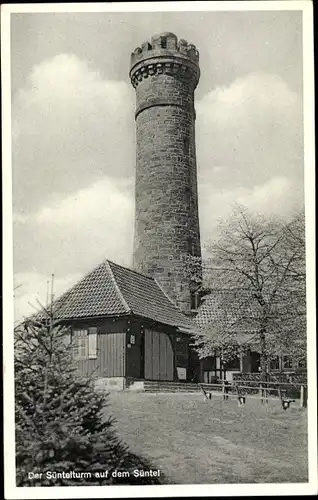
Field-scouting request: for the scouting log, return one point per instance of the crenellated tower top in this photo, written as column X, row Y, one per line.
column 165, row 54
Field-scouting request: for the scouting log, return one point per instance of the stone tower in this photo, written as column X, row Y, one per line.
column 165, row 73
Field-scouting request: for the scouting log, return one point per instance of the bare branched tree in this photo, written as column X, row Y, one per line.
column 257, row 275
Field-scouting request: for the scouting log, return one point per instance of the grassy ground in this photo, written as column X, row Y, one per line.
column 197, row 442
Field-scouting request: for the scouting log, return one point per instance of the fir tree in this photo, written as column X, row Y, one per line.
column 59, row 418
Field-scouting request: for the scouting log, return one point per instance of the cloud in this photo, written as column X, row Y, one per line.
column 254, row 128
column 35, row 288
column 71, row 127
column 69, row 238
column 276, row 196
column 249, row 144
column 102, row 202
column 84, row 228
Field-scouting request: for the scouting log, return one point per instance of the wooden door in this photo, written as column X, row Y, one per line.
column 159, row 358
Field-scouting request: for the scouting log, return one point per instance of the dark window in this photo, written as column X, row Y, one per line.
column 287, row 362
column 182, row 346
column 232, row 364
column 255, row 361
column 194, row 300
column 191, row 246
column 274, row 364
column 164, row 42
column 302, row 363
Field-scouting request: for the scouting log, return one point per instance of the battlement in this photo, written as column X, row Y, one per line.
column 165, row 54
column 165, row 44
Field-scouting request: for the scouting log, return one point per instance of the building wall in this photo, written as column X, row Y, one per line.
column 135, row 348
column 111, row 348
column 166, row 214
column 249, row 363
column 139, row 363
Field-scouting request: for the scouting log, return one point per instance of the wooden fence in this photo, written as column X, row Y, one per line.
column 242, row 390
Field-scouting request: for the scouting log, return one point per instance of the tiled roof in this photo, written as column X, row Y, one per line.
column 145, row 297
column 237, row 320
column 207, row 312
column 111, row 290
column 93, row 295
column 228, row 308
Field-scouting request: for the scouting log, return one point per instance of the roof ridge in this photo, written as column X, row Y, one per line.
column 80, row 280
column 132, row 270
column 87, row 273
column 118, row 290
column 56, row 302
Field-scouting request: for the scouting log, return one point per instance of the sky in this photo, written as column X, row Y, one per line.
column 73, row 131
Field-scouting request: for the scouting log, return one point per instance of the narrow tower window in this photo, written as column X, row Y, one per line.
column 191, row 246
column 194, row 301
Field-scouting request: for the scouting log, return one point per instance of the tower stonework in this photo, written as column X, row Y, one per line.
column 165, row 73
